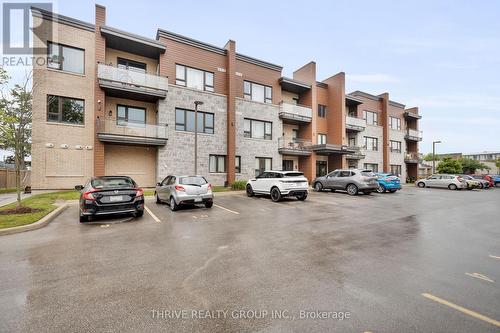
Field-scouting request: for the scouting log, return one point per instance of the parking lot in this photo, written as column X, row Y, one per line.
column 419, row 260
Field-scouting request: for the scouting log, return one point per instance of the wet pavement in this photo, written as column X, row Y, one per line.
column 367, row 259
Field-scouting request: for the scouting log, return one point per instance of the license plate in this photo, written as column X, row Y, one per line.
column 197, row 199
column 115, row 198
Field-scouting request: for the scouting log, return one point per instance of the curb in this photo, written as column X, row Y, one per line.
column 35, row 225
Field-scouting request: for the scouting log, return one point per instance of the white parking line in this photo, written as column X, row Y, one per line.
column 494, row 257
column 480, row 276
column 229, row 210
column 157, row 220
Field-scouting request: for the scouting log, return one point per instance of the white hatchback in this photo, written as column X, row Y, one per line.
column 279, row 184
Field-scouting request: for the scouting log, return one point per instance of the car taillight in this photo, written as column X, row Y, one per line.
column 209, row 186
column 139, row 192
column 88, row 196
column 460, row 179
column 179, row 188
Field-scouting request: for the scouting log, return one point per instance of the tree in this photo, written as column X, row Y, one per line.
column 449, row 165
column 429, row 157
column 469, row 166
column 15, row 122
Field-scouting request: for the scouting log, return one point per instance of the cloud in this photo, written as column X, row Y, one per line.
column 473, row 103
column 371, row 78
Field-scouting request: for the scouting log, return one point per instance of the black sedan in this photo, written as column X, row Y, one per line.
column 110, row 195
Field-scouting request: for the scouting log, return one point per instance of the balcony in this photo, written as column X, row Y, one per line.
column 356, row 153
column 411, row 115
column 125, row 83
column 297, row 147
column 411, row 158
column 131, row 133
column 355, row 124
column 413, row 135
column 292, row 113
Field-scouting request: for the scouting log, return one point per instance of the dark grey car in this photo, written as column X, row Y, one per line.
column 350, row 180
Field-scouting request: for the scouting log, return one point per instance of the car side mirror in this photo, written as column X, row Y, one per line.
column 158, row 184
column 79, row 187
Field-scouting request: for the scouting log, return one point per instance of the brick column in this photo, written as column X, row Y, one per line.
column 385, row 132
column 231, row 110
column 335, row 118
column 99, row 95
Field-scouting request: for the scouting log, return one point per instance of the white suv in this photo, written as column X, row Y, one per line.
column 279, row 184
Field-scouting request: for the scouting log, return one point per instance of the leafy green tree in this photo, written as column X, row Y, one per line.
column 449, row 165
column 429, row 157
column 469, row 166
column 15, row 122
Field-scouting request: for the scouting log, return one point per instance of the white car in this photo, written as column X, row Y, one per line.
column 279, row 184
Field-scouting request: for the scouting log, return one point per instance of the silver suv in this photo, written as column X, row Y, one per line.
column 178, row 190
column 452, row 182
column 350, row 180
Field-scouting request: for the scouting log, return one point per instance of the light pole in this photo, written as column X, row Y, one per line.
column 196, row 103
column 434, row 155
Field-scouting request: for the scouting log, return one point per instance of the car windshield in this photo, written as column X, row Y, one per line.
column 112, row 182
column 195, row 181
column 367, row 173
column 293, row 174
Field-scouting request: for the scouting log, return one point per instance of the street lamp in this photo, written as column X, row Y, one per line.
column 434, row 155
column 196, row 103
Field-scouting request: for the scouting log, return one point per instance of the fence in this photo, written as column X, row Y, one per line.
column 8, row 178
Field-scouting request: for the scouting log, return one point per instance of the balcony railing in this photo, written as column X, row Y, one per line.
column 355, row 124
column 411, row 157
column 413, row 134
column 131, row 81
column 356, row 155
column 109, row 130
column 295, row 113
column 293, row 146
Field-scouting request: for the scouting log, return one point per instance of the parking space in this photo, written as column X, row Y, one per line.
column 417, row 260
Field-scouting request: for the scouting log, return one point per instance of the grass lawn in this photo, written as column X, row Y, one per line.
column 7, row 190
column 44, row 202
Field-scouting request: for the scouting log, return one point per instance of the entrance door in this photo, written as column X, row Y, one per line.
column 321, row 168
column 287, row 165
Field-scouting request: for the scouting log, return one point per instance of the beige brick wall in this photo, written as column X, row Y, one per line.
column 55, row 168
column 142, row 167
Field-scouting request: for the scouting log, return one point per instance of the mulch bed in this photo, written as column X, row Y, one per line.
column 20, row 210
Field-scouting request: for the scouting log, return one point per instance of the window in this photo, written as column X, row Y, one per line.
column 132, row 65
column 370, row 117
column 345, row 174
column 321, row 111
column 396, row 169
column 217, row 163
column 395, row 146
column 194, row 78
column 237, row 164
column 352, row 142
column 258, row 129
column 395, row 123
column 371, row 143
column 65, row 58
column 287, row 165
column 130, row 115
column 257, row 92
column 184, row 121
column 65, row 110
column 321, row 139
column 262, row 164
column 371, row 166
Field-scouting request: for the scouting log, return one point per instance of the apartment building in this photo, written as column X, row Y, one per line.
column 111, row 102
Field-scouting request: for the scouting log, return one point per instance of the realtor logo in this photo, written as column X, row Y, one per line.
column 16, row 28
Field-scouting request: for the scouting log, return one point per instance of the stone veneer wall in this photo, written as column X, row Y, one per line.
column 398, row 158
column 372, row 156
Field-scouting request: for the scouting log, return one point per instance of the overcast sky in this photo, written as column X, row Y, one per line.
column 442, row 56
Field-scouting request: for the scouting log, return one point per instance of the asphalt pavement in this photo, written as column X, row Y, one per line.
column 419, row 260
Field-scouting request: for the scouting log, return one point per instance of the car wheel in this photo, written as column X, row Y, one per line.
column 452, row 187
column 250, row 191
column 380, row 189
column 352, row 189
column 209, row 204
column 318, row 187
column 158, row 201
column 139, row 213
column 421, row 184
column 481, row 186
column 302, row 197
column 173, row 205
column 84, row 218
column 275, row 194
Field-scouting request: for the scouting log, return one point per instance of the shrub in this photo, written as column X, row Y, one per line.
column 238, row 185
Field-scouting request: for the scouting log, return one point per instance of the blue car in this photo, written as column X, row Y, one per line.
column 496, row 180
column 388, row 182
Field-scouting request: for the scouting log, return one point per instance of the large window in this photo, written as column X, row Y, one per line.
column 130, row 115
column 371, row 143
column 184, row 121
column 395, row 146
column 396, row 169
column 132, row 65
column 371, row 166
column 262, row 164
column 257, row 92
column 65, row 110
column 194, row 78
column 321, row 111
column 395, row 123
column 321, row 139
column 65, row 58
column 370, row 117
column 258, row 129
column 217, row 163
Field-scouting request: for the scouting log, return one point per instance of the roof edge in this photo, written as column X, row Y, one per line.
column 46, row 15
column 135, row 37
